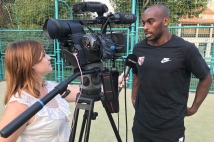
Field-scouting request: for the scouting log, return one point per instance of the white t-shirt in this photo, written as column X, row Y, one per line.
column 51, row 123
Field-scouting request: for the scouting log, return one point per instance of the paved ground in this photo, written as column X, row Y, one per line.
column 199, row 128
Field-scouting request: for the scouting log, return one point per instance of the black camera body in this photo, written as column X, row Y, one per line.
column 92, row 49
column 89, row 47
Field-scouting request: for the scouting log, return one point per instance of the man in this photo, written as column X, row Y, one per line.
column 162, row 78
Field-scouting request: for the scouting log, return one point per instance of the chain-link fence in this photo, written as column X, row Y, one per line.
column 24, row 19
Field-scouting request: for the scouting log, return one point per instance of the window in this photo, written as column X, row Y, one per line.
column 188, row 32
column 202, row 48
column 204, row 32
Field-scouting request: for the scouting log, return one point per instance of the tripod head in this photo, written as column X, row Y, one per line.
column 91, row 85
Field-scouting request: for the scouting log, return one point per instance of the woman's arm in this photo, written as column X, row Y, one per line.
column 74, row 89
column 72, row 95
column 121, row 81
column 12, row 110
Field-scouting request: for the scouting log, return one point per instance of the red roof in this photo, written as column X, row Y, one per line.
column 208, row 11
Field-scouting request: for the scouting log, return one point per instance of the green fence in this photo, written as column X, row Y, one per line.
column 24, row 20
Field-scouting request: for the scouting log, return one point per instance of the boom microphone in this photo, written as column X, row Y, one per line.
column 124, row 18
column 130, row 62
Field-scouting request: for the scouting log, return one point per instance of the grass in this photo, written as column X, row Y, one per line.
column 199, row 127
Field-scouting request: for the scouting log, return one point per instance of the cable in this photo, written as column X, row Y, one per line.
column 125, row 105
column 107, row 40
column 75, row 55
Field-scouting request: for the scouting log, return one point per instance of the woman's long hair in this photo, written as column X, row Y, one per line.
column 19, row 58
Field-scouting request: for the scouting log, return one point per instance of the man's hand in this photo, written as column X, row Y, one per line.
column 201, row 93
column 190, row 111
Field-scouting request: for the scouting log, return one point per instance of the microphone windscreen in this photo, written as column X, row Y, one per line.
column 131, row 60
column 125, row 18
column 129, row 18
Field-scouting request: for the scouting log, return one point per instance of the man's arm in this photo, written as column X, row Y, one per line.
column 135, row 86
column 201, row 93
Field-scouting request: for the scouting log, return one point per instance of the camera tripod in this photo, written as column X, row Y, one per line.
column 61, row 88
column 87, row 104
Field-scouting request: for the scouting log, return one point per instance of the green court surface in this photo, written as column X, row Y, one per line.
column 199, row 127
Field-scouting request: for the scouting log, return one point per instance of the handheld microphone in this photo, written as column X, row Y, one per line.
column 124, row 18
column 130, row 62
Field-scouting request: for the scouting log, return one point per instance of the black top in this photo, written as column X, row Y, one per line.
column 164, row 73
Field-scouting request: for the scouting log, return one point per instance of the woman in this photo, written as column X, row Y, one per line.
column 26, row 65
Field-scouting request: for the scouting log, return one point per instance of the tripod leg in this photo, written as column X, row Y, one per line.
column 74, row 124
column 111, row 119
column 83, row 126
column 113, row 125
column 88, row 126
column 88, row 106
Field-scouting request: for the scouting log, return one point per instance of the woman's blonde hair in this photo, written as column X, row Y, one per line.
column 19, row 58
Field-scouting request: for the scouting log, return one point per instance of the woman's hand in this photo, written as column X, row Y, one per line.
column 121, row 81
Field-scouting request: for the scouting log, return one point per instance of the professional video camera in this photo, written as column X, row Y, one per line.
column 91, row 50
column 90, row 47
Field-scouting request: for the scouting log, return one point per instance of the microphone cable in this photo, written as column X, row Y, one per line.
column 129, row 63
column 125, row 104
column 125, row 100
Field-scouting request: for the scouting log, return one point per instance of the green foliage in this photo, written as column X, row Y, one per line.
column 31, row 14
column 178, row 8
column 25, row 14
column 121, row 5
column 6, row 14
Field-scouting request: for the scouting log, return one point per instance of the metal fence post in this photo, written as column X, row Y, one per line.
column 133, row 31
column 1, row 62
column 58, row 61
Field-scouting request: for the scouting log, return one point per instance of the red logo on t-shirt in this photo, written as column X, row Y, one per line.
column 141, row 60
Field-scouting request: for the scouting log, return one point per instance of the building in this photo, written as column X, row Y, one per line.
column 202, row 32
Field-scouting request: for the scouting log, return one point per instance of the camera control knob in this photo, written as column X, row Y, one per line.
column 86, row 81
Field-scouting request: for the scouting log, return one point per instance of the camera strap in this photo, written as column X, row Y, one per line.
column 87, row 26
column 110, row 89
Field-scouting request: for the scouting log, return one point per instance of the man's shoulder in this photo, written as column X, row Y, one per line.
column 182, row 43
column 180, row 40
column 138, row 47
column 142, row 42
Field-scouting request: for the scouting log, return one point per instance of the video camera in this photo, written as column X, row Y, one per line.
column 89, row 47
column 93, row 49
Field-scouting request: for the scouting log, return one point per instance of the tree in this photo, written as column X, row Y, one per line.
column 30, row 14
column 6, row 16
column 177, row 8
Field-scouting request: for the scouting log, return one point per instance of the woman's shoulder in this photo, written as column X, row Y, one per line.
column 50, row 84
column 23, row 98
